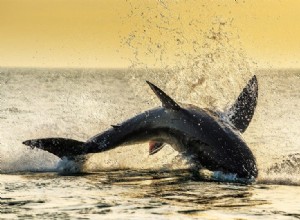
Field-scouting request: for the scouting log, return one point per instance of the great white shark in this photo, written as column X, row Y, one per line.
column 210, row 139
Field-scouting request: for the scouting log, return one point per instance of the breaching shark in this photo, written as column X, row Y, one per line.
column 210, row 139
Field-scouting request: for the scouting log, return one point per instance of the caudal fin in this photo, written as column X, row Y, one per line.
column 58, row 146
column 241, row 113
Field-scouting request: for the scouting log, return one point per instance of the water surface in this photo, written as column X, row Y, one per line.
column 126, row 182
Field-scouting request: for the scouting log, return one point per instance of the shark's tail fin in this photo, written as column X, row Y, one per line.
column 58, row 146
column 241, row 113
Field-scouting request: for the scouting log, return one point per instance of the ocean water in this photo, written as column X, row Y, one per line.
column 126, row 182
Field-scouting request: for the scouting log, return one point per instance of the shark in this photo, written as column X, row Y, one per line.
column 210, row 139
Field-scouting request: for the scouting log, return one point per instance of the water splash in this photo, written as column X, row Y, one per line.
column 286, row 171
column 196, row 52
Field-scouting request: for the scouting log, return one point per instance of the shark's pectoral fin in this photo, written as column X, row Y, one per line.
column 58, row 146
column 154, row 147
column 241, row 113
column 167, row 102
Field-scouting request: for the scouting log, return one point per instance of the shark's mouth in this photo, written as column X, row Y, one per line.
column 220, row 176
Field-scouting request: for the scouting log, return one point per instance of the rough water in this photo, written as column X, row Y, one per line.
column 126, row 182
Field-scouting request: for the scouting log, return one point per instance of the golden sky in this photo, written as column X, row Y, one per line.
column 90, row 33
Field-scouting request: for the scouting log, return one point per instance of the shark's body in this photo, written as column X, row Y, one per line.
column 203, row 135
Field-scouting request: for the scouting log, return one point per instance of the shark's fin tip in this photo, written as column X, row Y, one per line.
column 167, row 102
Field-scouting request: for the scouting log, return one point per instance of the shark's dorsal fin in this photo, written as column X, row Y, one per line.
column 241, row 113
column 167, row 102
